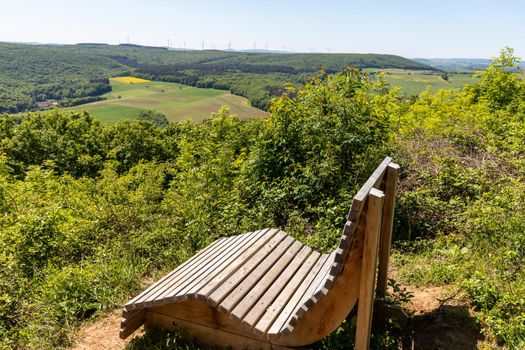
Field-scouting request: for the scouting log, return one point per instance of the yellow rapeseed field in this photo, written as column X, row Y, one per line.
column 129, row 80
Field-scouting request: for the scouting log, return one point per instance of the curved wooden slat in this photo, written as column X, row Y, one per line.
column 189, row 273
column 294, row 301
column 135, row 302
column 261, row 286
column 204, row 292
column 251, row 280
column 230, row 258
column 286, row 294
column 263, row 304
column 373, row 181
column 231, row 282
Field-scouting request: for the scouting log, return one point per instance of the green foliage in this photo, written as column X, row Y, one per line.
column 78, row 144
column 499, row 84
column 88, row 211
column 462, row 153
column 34, row 73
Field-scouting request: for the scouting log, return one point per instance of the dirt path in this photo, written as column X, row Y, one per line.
column 442, row 319
column 101, row 334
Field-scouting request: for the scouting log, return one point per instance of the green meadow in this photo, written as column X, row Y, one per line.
column 413, row 82
column 176, row 101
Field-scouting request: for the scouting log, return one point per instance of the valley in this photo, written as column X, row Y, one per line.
column 130, row 96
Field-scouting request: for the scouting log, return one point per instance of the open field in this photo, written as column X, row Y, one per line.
column 72, row 73
column 128, row 80
column 177, row 101
column 413, row 82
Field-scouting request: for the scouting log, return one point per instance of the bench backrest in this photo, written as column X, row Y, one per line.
column 369, row 223
column 376, row 180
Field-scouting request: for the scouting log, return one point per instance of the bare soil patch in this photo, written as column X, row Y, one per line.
column 101, row 334
column 441, row 319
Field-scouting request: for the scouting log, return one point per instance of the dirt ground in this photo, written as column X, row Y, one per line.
column 441, row 319
column 103, row 334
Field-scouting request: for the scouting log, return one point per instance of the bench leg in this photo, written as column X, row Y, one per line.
column 392, row 174
column 368, row 270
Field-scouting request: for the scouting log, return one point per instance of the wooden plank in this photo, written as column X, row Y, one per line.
column 293, row 303
column 215, row 267
column 285, row 295
column 130, row 325
column 205, row 291
column 368, row 270
column 311, row 295
column 259, row 309
column 346, row 237
column 320, row 280
column 224, row 289
column 392, row 174
column 164, row 280
column 235, row 295
column 129, row 313
column 205, row 335
column 198, row 270
column 198, row 311
column 361, row 196
column 265, row 282
column 326, row 315
column 182, row 275
column 152, row 292
column 342, row 250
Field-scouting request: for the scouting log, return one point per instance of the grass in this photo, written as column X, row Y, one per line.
column 413, row 82
column 177, row 101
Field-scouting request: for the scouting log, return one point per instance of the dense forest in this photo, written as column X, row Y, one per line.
column 34, row 74
column 91, row 212
column 75, row 74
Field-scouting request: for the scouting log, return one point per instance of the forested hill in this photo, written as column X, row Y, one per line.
column 29, row 74
column 78, row 73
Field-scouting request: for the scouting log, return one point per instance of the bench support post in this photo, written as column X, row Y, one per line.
column 368, row 269
column 392, row 174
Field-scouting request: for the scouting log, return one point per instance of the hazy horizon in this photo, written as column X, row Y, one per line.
column 242, row 50
column 410, row 28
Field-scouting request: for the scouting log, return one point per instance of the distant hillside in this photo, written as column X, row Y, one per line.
column 457, row 65
column 35, row 73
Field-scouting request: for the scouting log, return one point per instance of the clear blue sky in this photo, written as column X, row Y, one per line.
column 438, row 28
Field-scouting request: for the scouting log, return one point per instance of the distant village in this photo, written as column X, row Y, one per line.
column 46, row 104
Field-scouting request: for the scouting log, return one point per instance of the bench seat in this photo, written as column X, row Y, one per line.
column 260, row 279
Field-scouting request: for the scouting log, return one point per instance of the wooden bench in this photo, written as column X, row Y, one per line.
column 266, row 290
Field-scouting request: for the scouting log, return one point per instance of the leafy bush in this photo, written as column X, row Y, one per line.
column 463, row 156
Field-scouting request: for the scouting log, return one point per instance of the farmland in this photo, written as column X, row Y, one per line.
column 130, row 96
column 413, row 82
column 78, row 74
